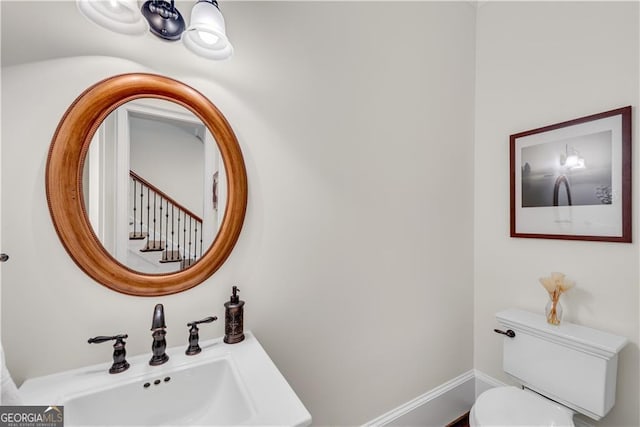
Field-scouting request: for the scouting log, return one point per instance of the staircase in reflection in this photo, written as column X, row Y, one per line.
column 170, row 234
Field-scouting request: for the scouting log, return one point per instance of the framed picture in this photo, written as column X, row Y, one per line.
column 572, row 180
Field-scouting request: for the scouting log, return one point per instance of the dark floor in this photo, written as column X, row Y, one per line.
column 463, row 421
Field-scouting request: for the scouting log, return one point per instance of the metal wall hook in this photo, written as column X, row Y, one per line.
column 509, row 332
column 4, row 257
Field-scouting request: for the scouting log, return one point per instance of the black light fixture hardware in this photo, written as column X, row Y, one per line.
column 165, row 21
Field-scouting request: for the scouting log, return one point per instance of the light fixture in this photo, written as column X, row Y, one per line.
column 121, row 16
column 205, row 36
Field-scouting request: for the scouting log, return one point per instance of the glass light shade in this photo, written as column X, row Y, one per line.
column 206, row 35
column 121, row 16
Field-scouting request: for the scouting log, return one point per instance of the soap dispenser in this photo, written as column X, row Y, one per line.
column 233, row 319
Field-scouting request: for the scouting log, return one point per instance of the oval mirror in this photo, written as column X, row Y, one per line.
column 102, row 207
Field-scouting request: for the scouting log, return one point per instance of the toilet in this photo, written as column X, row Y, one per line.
column 562, row 370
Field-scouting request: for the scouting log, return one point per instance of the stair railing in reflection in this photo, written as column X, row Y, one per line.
column 165, row 224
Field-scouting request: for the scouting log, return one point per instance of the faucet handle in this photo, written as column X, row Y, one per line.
column 205, row 320
column 194, row 347
column 120, row 363
column 101, row 338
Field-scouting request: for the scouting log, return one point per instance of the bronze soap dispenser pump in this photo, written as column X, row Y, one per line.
column 233, row 319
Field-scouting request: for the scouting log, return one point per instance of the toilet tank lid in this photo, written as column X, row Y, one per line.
column 580, row 337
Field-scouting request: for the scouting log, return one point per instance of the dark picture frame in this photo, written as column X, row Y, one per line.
column 572, row 180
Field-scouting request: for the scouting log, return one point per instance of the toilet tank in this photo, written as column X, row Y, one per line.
column 571, row 364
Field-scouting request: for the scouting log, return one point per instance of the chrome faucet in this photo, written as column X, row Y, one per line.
column 159, row 343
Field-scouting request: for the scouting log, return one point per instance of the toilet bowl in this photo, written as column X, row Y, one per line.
column 563, row 370
column 512, row 406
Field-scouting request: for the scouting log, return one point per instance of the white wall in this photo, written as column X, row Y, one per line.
column 540, row 63
column 171, row 158
column 356, row 257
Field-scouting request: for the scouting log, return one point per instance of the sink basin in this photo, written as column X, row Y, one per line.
column 185, row 396
column 225, row 384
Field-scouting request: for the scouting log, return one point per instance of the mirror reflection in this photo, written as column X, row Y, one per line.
column 154, row 186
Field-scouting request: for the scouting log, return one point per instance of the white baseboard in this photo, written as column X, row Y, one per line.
column 484, row 382
column 581, row 423
column 436, row 407
column 445, row 403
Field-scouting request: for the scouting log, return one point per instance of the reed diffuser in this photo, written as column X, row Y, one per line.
column 556, row 285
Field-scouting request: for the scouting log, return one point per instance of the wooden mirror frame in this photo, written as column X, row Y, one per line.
column 64, row 183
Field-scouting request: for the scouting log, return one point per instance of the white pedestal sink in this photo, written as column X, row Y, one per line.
column 223, row 385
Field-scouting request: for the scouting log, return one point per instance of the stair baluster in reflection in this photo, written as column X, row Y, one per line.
column 165, row 220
